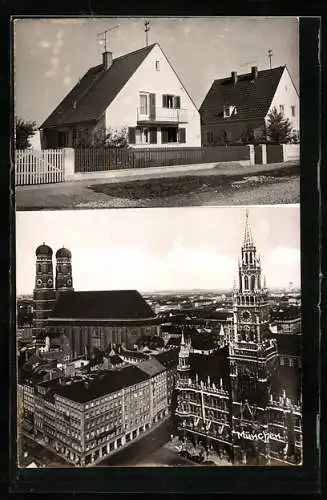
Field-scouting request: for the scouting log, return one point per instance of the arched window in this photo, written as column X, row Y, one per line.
column 246, row 283
column 252, row 282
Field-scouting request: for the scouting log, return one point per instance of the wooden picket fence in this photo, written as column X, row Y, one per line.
column 39, row 167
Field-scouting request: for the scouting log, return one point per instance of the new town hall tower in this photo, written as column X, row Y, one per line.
column 238, row 400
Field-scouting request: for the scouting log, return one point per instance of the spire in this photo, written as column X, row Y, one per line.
column 182, row 339
column 248, row 239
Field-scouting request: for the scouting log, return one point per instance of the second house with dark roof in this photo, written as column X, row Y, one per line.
column 139, row 92
column 237, row 107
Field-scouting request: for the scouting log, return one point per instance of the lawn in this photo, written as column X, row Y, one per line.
column 187, row 185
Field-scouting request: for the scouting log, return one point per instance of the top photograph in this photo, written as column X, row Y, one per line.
column 155, row 112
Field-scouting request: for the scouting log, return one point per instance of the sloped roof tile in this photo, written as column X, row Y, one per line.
column 113, row 304
column 90, row 97
column 252, row 98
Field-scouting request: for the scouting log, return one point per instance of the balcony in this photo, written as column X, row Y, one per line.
column 164, row 116
column 243, row 345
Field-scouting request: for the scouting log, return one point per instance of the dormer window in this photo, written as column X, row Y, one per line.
column 229, row 111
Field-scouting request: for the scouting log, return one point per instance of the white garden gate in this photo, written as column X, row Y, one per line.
column 39, row 167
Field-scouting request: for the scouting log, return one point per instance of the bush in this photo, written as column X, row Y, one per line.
column 115, row 138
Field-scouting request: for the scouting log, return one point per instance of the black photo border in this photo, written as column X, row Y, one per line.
column 195, row 480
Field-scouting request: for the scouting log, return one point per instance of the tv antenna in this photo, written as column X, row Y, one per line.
column 146, row 29
column 102, row 36
column 270, row 54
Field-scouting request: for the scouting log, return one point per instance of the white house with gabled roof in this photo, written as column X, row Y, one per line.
column 140, row 92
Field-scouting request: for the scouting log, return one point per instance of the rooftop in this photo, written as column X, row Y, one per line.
column 252, row 97
column 98, row 385
column 215, row 366
column 90, row 97
column 169, row 359
column 116, row 304
column 152, row 367
column 289, row 344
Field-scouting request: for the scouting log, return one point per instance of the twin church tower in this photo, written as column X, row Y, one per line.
column 46, row 291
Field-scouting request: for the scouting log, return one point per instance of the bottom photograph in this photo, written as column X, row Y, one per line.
column 159, row 337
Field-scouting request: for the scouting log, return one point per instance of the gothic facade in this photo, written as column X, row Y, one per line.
column 237, row 400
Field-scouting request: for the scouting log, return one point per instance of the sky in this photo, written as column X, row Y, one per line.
column 161, row 248
column 50, row 55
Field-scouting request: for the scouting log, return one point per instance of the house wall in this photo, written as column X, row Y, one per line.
column 287, row 96
column 122, row 112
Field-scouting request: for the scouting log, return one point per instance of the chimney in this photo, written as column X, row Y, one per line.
column 254, row 72
column 107, row 60
column 234, row 77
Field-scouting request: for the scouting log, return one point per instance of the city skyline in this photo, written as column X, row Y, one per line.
column 155, row 250
column 57, row 65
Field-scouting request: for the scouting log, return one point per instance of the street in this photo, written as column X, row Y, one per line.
column 42, row 455
column 148, row 451
column 219, row 185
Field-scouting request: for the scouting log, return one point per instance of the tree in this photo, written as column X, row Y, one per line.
column 23, row 131
column 115, row 138
column 251, row 136
column 279, row 128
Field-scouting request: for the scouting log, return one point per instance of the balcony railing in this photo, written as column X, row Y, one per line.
column 162, row 115
column 247, row 346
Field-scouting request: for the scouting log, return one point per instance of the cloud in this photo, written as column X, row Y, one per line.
column 285, row 256
column 282, row 265
column 54, row 64
column 44, row 44
column 67, row 80
column 124, row 268
column 199, row 267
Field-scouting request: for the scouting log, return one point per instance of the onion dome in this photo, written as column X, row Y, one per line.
column 43, row 250
column 63, row 253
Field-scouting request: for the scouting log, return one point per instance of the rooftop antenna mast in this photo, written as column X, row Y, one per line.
column 270, row 54
column 102, row 36
column 146, row 29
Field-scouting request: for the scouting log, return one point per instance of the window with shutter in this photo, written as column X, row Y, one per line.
column 182, row 135
column 177, row 102
column 131, row 135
